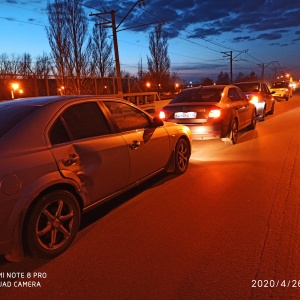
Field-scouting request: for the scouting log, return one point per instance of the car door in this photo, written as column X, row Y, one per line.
column 241, row 105
column 149, row 148
column 267, row 97
column 88, row 152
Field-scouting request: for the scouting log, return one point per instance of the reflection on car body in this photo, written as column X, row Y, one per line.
column 259, row 94
column 67, row 154
column 216, row 111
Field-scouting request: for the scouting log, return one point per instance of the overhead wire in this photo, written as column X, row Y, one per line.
column 150, row 13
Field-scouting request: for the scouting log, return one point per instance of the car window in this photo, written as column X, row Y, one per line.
column 249, row 87
column 241, row 94
column 233, row 95
column 127, row 117
column 79, row 121
column 199, row 95
column 264, row 89
column 280, row 85
column 11, row 115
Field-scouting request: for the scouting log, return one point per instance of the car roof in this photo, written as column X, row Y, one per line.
column 214, row 86
column 40, row 101
column 249, row 82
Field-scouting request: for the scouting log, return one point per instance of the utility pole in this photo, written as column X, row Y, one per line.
column 118, row 66
column 229, row 53
column 112, row 23
column 114, row 30
column 263, row 67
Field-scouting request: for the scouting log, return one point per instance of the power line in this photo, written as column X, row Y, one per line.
column 19, row 21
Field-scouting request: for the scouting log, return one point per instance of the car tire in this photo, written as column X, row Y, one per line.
column 52, row 224
column 252, row 125
column 286, row 98
column 232, row 138
column 261, row 117
column 182, row 156
column 271, row 112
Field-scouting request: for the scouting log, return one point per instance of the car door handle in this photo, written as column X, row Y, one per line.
column 135, row 144
column 72, row 159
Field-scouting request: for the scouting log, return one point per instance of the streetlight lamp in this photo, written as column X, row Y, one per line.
column 61, row 90
column 14, row 86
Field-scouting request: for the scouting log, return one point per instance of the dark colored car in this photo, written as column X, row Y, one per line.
column 61, row 156
column 282, row 90
column 215, row 111
column 259, row 94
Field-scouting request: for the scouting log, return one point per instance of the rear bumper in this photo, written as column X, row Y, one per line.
column 281, row 96
column 202, row 132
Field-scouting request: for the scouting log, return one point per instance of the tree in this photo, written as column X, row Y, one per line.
column 102, row 52
column 25, row 65
column 207, row 81
column 223, row 78
column 240, row 77
column 70, row 44
column 43, row 66
column 251, row 76
column 159, row 62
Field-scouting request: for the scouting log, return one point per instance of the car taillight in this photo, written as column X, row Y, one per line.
column 214, row 113
column 254, row 100
column 162, row 115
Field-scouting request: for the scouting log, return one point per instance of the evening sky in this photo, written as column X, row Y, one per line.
column 201, row 34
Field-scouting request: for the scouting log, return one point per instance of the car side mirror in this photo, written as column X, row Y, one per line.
column 157, row 122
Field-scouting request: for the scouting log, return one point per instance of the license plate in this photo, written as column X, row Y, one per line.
column 185, row 115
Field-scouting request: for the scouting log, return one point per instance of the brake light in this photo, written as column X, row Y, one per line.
column 254, row 100
column 214, row 113
column 162, row 115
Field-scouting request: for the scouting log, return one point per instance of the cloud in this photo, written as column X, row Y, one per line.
column 269, row 36
column 207, row 18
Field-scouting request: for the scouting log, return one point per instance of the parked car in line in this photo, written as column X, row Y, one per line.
column 259, row 94
column 215, row 111
column 62, row 155
column 282, row 90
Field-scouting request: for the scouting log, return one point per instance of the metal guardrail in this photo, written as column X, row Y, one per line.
column 145, row 100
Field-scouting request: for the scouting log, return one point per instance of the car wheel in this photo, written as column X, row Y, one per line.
column 261, row 117
column 286, row 98
column 182, row 155
column 52, row 224
column 232, row 139
column 271, row 112
column 252, row 125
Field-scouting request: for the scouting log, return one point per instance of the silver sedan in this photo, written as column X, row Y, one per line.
column 63, row 155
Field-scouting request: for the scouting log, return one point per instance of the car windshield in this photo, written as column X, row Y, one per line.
column 249, row 87
column 280, row 85
column 199, row 95
column 11, row 115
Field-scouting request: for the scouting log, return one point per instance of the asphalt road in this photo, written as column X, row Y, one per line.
column 226, row 229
